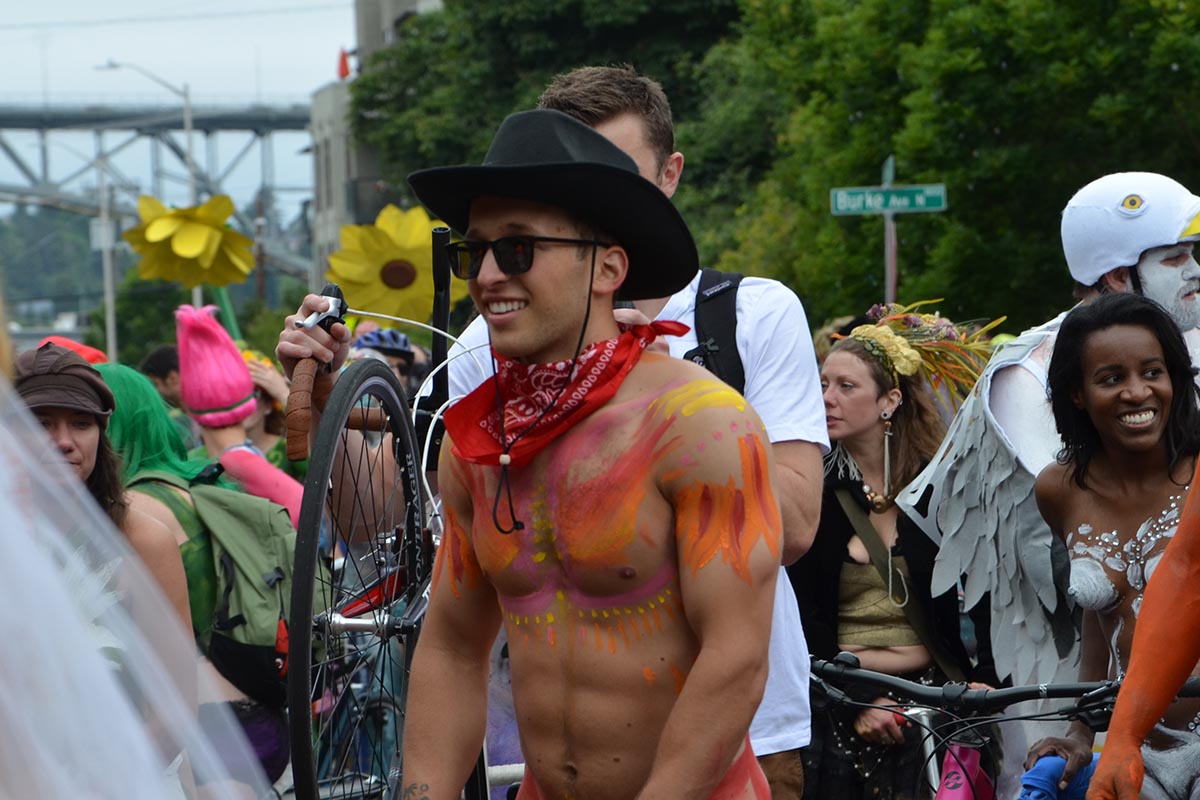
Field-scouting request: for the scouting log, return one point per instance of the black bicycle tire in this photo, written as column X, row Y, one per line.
column 362, row 379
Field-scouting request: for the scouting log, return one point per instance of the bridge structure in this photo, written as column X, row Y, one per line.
column 99, row 188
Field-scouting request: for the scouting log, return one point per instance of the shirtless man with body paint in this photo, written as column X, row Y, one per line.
column 617, row 519
column 781, row 383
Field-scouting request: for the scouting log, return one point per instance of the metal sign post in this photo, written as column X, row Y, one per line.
column 889, row 201
column 889, row 237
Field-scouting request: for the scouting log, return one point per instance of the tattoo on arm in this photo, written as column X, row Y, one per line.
column 415, row 791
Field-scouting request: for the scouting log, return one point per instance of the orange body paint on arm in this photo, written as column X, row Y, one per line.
column 456, row 551
column 728, row 520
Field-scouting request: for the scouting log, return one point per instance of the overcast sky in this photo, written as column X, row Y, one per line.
column 227, row 51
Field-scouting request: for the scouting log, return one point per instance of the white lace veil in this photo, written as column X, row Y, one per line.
column 97, row 678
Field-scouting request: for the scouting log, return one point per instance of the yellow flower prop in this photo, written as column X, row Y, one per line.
column 949, row 356
column 190, row 245
column 388, row 267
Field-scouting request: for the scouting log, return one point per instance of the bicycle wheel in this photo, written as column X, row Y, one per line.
column 363, row 556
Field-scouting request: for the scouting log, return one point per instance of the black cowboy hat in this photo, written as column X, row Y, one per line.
column 548, row 157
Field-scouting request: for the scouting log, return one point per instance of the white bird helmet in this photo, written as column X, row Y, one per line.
column 1113, row 220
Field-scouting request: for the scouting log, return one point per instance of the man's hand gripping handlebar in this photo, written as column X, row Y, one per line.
column 316, row 335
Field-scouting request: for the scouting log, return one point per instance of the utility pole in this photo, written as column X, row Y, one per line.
column 106, row 254
column 260, row 261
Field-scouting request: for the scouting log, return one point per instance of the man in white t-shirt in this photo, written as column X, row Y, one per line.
column 782, row 385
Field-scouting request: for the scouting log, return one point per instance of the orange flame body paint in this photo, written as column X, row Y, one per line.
column 726, row 520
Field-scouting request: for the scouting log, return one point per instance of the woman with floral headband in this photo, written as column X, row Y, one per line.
column 863, row 587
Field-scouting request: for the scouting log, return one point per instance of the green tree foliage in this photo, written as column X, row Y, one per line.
column 1014, row 104
column 45, row 254
column 1018, row 105
column 145, row 316
column 261, row 323
column 437, row 95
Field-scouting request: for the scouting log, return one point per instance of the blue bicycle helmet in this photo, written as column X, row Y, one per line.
column 388, row 341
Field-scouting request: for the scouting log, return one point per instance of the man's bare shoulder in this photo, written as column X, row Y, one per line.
column 663, row 373
column 685, row 392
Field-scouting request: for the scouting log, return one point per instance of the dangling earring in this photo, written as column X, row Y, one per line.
column 887, row 458
column 882, row 502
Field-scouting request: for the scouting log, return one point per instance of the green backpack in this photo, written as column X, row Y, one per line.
column 253, row 545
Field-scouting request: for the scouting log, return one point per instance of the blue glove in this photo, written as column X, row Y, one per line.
column 1041, row 782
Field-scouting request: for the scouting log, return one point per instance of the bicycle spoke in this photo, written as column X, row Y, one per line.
column 372, row 512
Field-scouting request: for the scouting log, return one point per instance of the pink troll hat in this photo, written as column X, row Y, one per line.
column 214, row 382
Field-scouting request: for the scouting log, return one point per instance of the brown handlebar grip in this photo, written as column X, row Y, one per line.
column 322, row 386
column 299, row 409
column 310, row 387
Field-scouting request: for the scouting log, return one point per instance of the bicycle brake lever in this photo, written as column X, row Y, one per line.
column 1105, row 694
column 1096, row 718
column 336, row 312
column 847, row 660
column 1095, row 709
column 831, row 693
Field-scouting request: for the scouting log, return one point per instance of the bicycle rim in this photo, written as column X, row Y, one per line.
column 361, row 558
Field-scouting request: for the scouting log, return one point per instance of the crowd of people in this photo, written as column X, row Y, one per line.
column 662, row 544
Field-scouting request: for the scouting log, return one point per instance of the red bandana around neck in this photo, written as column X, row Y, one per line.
column 528, row 390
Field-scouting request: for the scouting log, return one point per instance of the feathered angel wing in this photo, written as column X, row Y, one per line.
column 983, row 514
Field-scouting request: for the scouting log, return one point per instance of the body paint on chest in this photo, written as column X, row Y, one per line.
column 606, row 624
column 596, row 518
column 678, row 677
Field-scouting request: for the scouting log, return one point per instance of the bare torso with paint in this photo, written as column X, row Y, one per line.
column 1110, row 568
column 593, row 592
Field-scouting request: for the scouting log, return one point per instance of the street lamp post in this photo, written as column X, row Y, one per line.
column 183, row 93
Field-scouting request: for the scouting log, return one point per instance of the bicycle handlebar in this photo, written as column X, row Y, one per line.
column 310, row 385
column 958, row 697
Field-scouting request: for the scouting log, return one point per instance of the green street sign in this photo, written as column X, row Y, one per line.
column 888, row 199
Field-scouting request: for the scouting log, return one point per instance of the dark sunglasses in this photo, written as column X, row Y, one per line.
column 514, row 254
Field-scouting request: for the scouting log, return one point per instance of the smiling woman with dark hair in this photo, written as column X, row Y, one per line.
column 1066, row 379
column 1124, row 401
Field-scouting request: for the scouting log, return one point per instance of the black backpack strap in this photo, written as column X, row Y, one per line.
column 210, row 474
column 716, row 327
column 221, row 619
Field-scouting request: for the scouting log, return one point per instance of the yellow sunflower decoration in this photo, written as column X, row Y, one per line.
column 388, row 267
column 190, row 245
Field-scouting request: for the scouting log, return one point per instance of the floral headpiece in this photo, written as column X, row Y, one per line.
column 907, row 342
